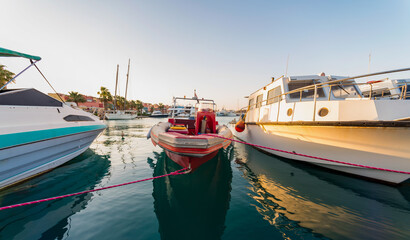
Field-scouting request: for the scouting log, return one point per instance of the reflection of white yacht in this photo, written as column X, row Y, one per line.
column 291, row 194
column 38, row 132
column 328, row 117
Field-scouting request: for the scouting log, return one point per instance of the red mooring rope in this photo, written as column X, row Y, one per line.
column 304, row 155
column 178, row 172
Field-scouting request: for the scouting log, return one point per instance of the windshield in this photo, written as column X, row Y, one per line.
column 345, row 90
column 206, row 107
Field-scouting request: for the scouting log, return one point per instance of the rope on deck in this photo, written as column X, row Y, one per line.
column 308, row 156
column 178, row 172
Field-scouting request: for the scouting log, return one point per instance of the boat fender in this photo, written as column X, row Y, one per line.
column 240, row 126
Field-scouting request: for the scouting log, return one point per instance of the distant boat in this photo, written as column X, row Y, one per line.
column 117, row 114
column 158, row 114
column 121, row 115
column 182, row 111
column 225, row 113
column 328, row 117
column 38, row 132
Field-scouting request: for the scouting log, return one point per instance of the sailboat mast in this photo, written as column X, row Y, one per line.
column 116, row 83
column 126, row 85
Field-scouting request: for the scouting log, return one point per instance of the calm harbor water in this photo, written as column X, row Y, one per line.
column 240, row 194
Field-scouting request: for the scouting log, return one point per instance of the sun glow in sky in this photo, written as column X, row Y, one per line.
column 223, row 49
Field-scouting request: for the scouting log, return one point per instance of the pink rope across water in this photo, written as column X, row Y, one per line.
column 178, row 172
column 308, row 156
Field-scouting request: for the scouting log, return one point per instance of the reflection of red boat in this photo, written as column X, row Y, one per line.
column 181, row 137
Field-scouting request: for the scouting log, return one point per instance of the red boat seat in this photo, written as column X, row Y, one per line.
column 189, row 123
column 210, row 122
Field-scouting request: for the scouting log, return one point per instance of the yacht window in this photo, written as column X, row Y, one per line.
column 259, row 100
column 307, row 93
column 251, row 103
column 77, row 118
column 274, row 95
column 345, row 90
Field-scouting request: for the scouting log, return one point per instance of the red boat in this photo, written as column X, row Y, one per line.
column 185, row 139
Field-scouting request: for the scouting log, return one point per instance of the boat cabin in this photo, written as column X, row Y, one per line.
column 314, row 98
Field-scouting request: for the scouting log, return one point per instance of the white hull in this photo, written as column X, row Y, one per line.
column 35, row 139
column 380, row 147
column 120, row 116
column 22, row 162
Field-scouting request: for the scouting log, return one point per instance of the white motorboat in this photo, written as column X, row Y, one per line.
column 328, row 117
column 121, row 115
column 158, row 114
column 38, row 132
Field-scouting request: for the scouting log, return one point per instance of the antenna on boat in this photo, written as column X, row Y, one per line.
column 126, row 86
column 287, row 64
column 368, row 68
column 195, row 96
column 116, row 83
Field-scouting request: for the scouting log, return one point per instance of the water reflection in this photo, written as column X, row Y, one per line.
column 192, row 206
column 51, row 220
column 303, row 201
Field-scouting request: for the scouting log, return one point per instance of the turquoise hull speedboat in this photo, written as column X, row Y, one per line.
column 38, row 132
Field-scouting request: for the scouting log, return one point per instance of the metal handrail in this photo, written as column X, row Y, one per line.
column 330, row 85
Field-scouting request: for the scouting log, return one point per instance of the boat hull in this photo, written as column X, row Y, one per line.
column 189, row 161
column 189, row 150
column 18, row 163
column 113, row 116
column 381, row 147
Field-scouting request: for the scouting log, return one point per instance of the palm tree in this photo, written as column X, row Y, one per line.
column 105, row 96
column 120, row 102
column 161, row 107
column 133, row 104
column 5, row 75
column 140, row 106
column 75, row 97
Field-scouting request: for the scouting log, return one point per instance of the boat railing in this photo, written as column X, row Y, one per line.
column 340, row 83
column 382, row 93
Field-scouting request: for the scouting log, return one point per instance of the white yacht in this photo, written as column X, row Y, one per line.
column 158, row 114
column 121, row 115
column 38, row 132
column 328, row 117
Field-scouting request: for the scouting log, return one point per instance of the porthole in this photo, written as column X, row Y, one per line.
column 289, row 112
column 323, row 112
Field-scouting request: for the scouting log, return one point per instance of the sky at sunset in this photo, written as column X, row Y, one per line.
column 223, row 49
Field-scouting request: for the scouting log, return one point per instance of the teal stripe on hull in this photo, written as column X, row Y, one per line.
column 14, row 139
